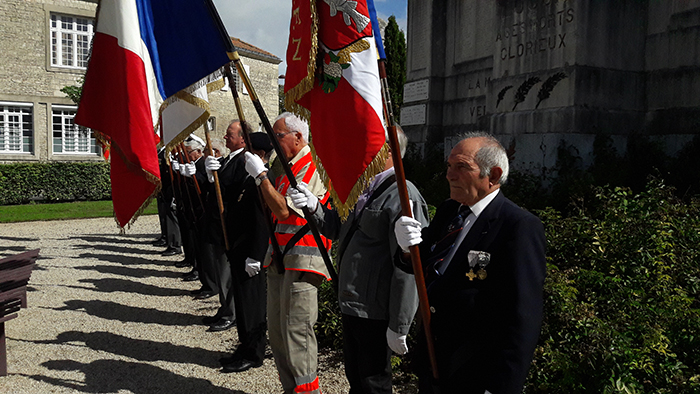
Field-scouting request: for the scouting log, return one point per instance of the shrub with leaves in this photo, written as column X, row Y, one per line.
column 53, row 182
column 622, row 296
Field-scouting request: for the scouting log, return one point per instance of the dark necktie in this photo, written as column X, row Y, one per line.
column 441, row 249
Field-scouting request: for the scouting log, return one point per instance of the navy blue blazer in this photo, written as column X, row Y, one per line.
column 486, row 329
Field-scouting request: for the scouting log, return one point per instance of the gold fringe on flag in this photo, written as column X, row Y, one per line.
column 374, row 168
column 154, row 179
column 186, row 95
column 306, row 84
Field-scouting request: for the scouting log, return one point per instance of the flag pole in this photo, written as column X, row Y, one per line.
column 406, row 211
column 313, row 226
column 217, row 186
column 276, row 256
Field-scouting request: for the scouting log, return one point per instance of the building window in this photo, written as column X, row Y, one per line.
column 16, row 124
column 69, row 137
column 237, row 80
column 70, row 40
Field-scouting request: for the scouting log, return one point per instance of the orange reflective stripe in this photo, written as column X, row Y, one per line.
column 308, row 388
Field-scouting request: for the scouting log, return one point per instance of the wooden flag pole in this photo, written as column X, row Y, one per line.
column 313, row 226
column 217, row 186
column 277, row 255
column 406, row 211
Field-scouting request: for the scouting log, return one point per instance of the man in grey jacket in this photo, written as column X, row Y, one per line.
column 378, row 301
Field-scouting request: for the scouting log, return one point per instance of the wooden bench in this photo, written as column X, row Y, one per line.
column 14, row 275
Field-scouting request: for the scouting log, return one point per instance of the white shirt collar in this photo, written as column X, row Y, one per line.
column 483, row 203
column 234, row 153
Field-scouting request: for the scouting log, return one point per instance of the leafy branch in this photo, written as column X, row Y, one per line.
column 502, row 93
column 523, row 89
column 548, row 86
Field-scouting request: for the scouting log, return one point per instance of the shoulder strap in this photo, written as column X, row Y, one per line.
column 356, row 221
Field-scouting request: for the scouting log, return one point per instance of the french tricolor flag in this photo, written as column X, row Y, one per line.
column 144, row 51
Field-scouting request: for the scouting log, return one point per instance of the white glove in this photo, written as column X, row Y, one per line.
column 254, row 165
column 396, row 342
column 407, row 232
column 175, row 165
column 189, row 169
column 252, row 267
column 302, row 197
column 212, row 164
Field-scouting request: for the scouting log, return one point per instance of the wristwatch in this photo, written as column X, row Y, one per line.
column 260, row 178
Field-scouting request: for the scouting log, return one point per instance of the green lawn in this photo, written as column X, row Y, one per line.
column 60, row 211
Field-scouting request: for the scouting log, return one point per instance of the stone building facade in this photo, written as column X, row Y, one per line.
column 538, row 72
column 44, row 48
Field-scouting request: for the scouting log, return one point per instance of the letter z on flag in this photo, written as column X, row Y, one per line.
column 342, row 98
column 143, row 52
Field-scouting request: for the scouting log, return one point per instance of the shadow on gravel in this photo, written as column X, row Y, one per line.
column 17, row 249
column 113, row 311
column 139, row 349
column 111, row 285
column 118, row 249
column 17, row 239
column 132, row 272
column 115, row 258
column 111, row 376
column 117, row 239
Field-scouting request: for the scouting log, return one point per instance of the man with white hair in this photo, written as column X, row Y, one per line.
column 378, row 301
column 292, row 304
column 484, row 262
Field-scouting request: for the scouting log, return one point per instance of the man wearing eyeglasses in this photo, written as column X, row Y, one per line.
column 292, row 305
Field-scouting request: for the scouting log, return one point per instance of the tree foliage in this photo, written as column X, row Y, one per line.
column 73, row 92
column 395, row 48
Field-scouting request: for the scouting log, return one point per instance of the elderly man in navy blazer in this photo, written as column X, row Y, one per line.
column 484, row 262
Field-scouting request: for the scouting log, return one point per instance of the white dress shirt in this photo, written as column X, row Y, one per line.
column 477, row 209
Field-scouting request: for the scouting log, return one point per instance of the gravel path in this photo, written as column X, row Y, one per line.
column 108, row 314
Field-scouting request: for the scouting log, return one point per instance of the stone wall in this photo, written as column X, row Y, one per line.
column 538, row 72
column 25, row 69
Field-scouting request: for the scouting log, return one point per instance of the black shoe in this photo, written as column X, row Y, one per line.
column 209, row 320
column 203, row 295
column 222, row 325
column 191, row 276
column 160, row 242
column 171, row 251
column 240, row 366
column 183, row 264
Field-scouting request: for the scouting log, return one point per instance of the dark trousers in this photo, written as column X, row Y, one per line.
column 204, row 265
column 367, row 355
column 169, row 222
column 215, row 251
column 187, row 233
column 250, row 298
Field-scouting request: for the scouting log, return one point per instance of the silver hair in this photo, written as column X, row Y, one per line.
column 194, row 144
column 218, row 144
column 294, row 123
column 491, row 154
column 403, row 140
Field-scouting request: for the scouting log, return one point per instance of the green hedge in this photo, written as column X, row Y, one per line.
column 622, row 296
column 52, row 182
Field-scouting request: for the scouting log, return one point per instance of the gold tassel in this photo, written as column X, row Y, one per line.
column 374, row 168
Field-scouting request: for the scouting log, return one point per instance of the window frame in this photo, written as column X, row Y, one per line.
column 27, row 132
column 55, row 56
column 91, row 143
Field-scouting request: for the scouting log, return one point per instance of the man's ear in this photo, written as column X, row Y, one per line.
column 495, row 176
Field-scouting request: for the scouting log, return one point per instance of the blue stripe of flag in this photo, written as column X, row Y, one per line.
column 375, row 28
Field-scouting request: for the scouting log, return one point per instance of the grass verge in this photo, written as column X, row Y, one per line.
column 61, row 211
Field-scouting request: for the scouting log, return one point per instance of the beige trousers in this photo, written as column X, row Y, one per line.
column 292, row 310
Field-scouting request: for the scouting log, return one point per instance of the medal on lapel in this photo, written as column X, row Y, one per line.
column 478, row 260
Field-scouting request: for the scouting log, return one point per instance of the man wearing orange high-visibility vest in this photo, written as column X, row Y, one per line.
column 292, row 304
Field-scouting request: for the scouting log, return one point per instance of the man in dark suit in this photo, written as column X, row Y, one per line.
column 170, row 231
column 231, row 175
column 249, row 235
column 484, row 262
